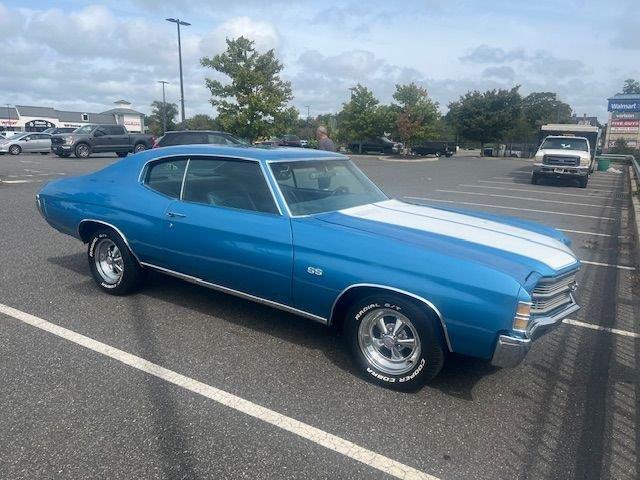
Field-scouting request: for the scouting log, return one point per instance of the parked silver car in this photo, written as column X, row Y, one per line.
column 29, row 142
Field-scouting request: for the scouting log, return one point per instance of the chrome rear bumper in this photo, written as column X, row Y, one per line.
column 511, row 350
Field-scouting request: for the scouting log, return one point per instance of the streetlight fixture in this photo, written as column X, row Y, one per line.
column 179, row 22
column 164, row 108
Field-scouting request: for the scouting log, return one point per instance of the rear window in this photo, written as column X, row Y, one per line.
column 166, row 177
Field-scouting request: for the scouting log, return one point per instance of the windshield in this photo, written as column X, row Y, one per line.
column 324, row 186
column 85, row 129
column 565, row 144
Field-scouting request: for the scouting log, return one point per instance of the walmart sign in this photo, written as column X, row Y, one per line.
column 624, row 105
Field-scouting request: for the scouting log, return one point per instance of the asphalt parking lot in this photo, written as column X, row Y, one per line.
column 66, row 411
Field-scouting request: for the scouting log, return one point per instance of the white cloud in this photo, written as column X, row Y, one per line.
column 262, row 33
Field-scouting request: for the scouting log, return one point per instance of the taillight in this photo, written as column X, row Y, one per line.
column 155, row 142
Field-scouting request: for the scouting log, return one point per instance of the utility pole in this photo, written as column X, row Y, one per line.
column 179, row 22
column 164, row 108
column 308, row 132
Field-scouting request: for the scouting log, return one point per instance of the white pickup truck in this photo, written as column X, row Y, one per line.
column 566, row 155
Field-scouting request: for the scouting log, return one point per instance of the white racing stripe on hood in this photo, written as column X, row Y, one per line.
column 488, row 233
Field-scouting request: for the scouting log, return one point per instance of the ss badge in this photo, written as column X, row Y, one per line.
column 314, row 271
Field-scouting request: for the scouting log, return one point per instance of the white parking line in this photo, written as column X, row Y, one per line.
column 616, row 331
column 591, row 182
column 510, row 208
column 20, row 181
column 590, row 233
column 530, row 198
column 313, row 434
column 599, row 264
column 512, row 183
column 546, row 192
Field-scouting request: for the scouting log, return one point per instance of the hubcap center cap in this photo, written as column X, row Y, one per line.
column 388, row 341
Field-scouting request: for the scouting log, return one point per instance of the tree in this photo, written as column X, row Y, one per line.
column 485, row 117
column 417, row 114
column 539, row 108
column 154, row 121
column 286, row 121
column 631, row 86
column 621, row 147
column 358, row 118
column 201, row 121
column 250, row 104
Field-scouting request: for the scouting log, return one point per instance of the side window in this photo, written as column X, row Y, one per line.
column 228, row 183
column 166, row 177
column 114, row 130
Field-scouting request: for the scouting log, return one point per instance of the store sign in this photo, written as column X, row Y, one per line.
column 133, row 123
column 38, row 124
column 625, row 123
column 5, row 122
column 624, row 106
column 624, row 129
column 625, row 116
column 630, row 143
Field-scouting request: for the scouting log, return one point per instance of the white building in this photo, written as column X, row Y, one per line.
column 25, row 118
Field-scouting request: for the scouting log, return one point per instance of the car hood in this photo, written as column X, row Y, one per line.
column 511, row 245
column 560, row 152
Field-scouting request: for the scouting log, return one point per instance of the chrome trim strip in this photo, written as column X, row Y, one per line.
column 119, row 232
column 184, row 177
column 540, row 325
column 397, row 290
column 237, row 293
column 189, row 155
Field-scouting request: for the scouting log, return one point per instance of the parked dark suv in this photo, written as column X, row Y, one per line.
column 192, row 137
column 377, row 145
column 432, row 148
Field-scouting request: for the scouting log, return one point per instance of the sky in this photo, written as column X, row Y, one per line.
column 84, row 55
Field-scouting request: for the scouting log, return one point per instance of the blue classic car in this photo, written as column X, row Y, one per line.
column 307, row 232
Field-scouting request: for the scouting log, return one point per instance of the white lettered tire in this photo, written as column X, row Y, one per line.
column 113, row 267
column 395, row 342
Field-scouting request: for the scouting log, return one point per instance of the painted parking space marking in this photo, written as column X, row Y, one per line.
column 523, row 183
column 528, row 198
column 615, row 331
column 580, row 232
column 546, row 192
column 510, row 208
column 20, row 181
column 306, row 431
column 599, row 264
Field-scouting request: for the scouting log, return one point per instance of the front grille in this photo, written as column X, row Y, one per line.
column 57, row 141
column 560, row 160
column 553, row 293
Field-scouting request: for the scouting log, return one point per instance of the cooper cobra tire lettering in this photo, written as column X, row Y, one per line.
column 384, row 378
column 415, row 372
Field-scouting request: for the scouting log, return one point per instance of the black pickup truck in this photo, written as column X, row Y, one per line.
column 89, row 139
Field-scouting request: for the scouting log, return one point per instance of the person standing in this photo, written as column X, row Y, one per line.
column 324, row 142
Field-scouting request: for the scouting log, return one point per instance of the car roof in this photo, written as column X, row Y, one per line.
column 261, row 154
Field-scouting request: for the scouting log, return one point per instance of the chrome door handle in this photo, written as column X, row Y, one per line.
column 175, row 215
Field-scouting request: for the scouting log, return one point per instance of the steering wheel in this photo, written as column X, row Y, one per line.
column 341, row 190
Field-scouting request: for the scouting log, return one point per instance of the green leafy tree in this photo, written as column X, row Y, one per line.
column 201, row 121
column 631, row 86
column 539, row 108
column 486, row 117
column 417, row 114
column 154, row 121
column 621, row 147
column 286, row 122
column 255, row 98
column 358, row 119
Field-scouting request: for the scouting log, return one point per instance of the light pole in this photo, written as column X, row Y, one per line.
column 8, row 116
column 164, row 108
column 179, row 22
column 308, row 132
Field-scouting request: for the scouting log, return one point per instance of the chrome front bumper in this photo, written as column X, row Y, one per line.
column 511, row 350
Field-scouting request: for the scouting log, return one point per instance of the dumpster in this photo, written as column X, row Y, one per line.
column 603, row 164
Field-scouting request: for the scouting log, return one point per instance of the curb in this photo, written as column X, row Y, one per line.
column 635, row 203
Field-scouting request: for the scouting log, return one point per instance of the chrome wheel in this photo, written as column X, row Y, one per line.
column 139, row 148
column 14, row 150
column 389, row 341
column 109, row 263
column 82, row 151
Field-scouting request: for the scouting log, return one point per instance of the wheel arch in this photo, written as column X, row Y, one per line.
column 88, row 226
column 344, row 299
